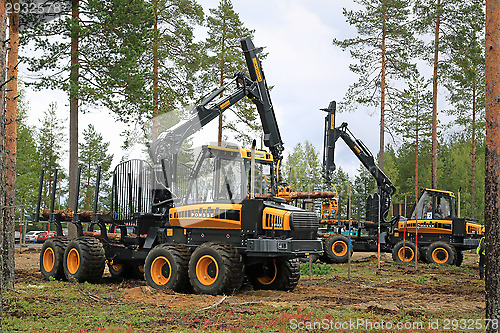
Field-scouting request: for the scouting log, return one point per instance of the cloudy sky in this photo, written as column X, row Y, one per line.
column 306, row 70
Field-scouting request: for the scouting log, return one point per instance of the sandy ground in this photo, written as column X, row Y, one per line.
column 387, row 290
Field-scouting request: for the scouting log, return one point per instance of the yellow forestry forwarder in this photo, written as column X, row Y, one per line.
column 441, row 235
column 203, row 225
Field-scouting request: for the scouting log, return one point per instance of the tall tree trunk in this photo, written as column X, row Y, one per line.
column 492, row 161
column 434, row 96
column 156, row 100
column 73, row 110
column 382, row 95
column 3, row 28
column 223, row 42
column 473, row 156
column 10, row 149
column 416, row 153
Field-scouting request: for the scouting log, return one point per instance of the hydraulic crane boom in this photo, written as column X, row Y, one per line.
column 332, row 134
column 254, row 88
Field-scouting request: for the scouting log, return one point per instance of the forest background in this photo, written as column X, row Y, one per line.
column 460, row 135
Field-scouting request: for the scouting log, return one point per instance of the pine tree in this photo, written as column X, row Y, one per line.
column 492, row 177
column 94, row 54
column 28, row 162
column 4, row 281
column 11, row 147
column 364, row 185
column 175, row 56
column 441, row 19
column 455, row 166
column 50, row 141
column 342, row 181
column 464, row 78
column 224, row 59
column 414, row 119
column 93, row 153
column 383, row 51
column 302, row 168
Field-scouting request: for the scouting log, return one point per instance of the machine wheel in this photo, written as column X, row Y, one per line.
column 52, row 257
column 335, row 249
column 460, row 258
column 124, row 270
column 166, row 266
column 84, row 260
column 404, row 252
column 277, row 274
column 118, row 270
column 216, row 268
column 441, row 253
column 422, row 257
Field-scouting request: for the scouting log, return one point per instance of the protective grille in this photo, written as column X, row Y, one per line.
column 304, row 221
column 131, row 189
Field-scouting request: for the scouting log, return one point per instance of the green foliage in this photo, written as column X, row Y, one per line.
column 464, row 71
column 381, row 22
column 93, row 153
column 302, row 168
column 342, row 182
column 317, row 269
column 177, row 55
column 222, row 59
column 456, row 173
column 50, row 143
column 113, row 34
column 364, row 185
column 28, row 163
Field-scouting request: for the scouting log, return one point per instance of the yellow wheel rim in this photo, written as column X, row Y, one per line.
column 339, row 248
column 207, row 270
column 48, row 259
column 73, row 261
column 402, row 254
column 268, row 279
column 161, row 271
column 440, row 255
column 116, row 267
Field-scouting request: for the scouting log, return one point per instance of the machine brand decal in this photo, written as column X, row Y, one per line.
column 257, row 70
column 357, row 149
column 225, row 105
column 332, row 122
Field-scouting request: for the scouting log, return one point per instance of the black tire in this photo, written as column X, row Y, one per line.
column 335, row 250
column 125, row 271
column 166, row 266
column 138, row 271
column 216, row 268
column 460, row 258
column 441, row 253
column 404, row 252
column 84, row 260
column 422, row 256
column 52, row 257
column 276, row 274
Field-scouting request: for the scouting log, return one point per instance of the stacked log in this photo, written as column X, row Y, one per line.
column 66, row 215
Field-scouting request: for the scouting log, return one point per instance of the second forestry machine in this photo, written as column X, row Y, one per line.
column 195, row 223
column 434, row 233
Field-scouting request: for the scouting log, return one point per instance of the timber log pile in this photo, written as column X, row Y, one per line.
column 312, row 194
column 67, row 214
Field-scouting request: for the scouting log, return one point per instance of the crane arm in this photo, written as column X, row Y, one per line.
column 169, row 142
column 385, row 187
